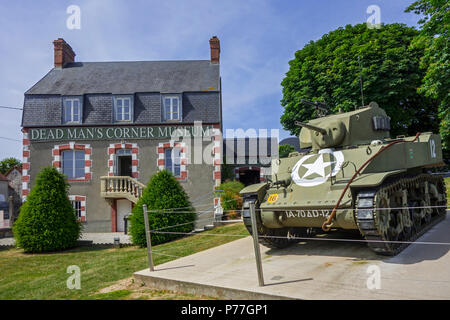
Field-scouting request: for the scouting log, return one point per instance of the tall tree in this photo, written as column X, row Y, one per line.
column 328, row 70
column 8, row 163
column 435, row 37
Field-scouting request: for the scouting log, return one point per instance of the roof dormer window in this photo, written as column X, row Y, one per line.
column 123, row 109
column 171, row 108
column 72, row 108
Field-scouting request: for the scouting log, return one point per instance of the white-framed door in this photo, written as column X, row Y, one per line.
column 123, row 209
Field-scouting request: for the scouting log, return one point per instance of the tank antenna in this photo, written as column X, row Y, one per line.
column 361, row 81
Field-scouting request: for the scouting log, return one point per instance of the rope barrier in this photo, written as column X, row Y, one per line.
column 314, row 239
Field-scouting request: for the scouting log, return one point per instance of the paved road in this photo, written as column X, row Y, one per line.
column 315, row 270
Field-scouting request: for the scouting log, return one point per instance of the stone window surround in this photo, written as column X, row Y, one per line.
column 82, row 199
column 160, row 149
column 134, row 157
column 57, row 158
column 25, row 164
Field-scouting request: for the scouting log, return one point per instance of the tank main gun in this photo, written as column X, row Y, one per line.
column 311, row 127
column 321, row 108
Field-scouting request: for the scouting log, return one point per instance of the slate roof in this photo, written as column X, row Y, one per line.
column 129, row 77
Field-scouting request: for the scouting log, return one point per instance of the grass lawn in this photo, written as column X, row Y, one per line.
column 43, row 276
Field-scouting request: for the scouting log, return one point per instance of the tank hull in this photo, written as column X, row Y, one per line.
column 306, row 188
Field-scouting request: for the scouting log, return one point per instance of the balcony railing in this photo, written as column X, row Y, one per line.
column 121, row 187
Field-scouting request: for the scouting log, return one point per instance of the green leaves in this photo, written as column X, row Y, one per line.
column 47, row 220
column 434, row 37
column 162, row 192
column 284, row 150
column 8, row 163
column 327, row 70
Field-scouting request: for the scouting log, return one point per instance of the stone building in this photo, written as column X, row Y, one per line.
column 109, row 126
column 14, row 176
column 249, row 158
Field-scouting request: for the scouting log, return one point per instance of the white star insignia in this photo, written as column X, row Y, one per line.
column 317, row 167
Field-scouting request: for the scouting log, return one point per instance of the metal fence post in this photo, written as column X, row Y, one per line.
column 149, row 239
column 256, row 244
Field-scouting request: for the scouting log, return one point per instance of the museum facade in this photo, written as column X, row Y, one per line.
column 109, row 126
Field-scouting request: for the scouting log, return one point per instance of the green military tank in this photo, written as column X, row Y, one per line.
column 353, row 176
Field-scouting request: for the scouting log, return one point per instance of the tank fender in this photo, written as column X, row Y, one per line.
column 373, row 179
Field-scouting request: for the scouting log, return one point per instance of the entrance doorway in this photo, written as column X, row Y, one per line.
column 123, row 162
column 249, row 176
column 123, row 209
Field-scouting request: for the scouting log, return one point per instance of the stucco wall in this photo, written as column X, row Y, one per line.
column 98, row 211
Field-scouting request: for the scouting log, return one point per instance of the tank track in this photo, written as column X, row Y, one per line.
column 379, row 220
column 282, row 234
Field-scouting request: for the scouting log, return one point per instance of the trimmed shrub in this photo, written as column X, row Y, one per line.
column 47, row 220
column 230, row 199
column 162, row 192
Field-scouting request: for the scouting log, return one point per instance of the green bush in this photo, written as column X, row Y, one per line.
column 47, row 220
column 284, row 150
column 162, row 192
column 229, row 195
column 233, row 186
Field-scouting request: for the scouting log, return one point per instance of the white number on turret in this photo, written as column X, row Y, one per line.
column 433, row 148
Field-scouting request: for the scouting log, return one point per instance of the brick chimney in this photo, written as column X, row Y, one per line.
column 214, row 44
column 63, row 53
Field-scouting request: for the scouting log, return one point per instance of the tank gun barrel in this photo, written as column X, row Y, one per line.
column 311, row 127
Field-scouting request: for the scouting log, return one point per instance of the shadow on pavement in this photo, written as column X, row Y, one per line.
column 355, row 250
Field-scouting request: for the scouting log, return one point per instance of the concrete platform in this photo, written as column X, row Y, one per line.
column 312, row 270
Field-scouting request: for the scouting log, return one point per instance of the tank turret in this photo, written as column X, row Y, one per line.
column 346, row 129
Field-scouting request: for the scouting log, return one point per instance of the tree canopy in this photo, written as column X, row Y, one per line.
column 327, row 70
column 284, row 150
column 435, row 37
column 8, row 163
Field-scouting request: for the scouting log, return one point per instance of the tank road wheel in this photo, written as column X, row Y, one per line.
column 281, row 235
column 397, row 213
column 438, row 198
column 389, row 218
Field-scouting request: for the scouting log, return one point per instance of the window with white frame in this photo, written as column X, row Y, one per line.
column 123, row 108
column 73, row 164
column 77, row 206
column 172, row 108
column 72, row 110
column 172, row 161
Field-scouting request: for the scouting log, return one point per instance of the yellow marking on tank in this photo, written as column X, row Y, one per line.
column 272, row 198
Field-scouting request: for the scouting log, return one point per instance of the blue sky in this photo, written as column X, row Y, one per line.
column 258, row 38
